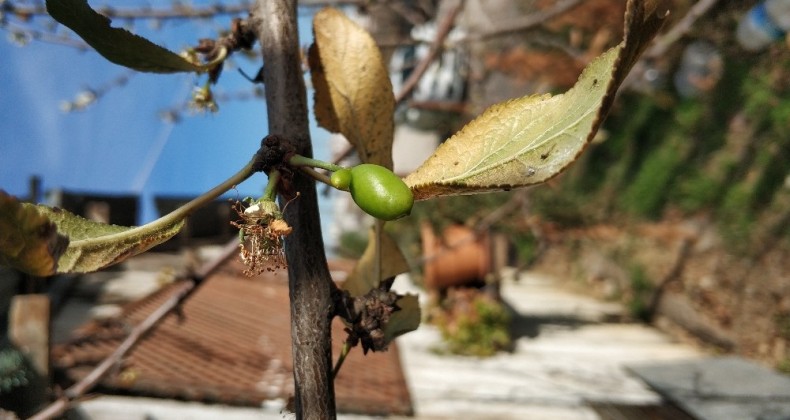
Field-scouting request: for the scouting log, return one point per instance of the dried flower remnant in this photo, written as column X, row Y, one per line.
column 203, row 100
column 261, row 233
column 372, row 314
column 190, row 55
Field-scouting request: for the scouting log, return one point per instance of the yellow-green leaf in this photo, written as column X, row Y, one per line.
column 117, row 45
column 28, row 240
column 362, row 278
column 405, row 320
column 353, row 92
column 529, row 140
column 97, row 245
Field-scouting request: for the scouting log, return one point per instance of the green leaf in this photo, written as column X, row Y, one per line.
column 97, row 245
column 363, row 278
column 405, row 320
column 353, row 91
column 529, row 140
column 117, row 45
column 28, row 240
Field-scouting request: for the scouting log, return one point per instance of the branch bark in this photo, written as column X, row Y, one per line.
column 310, row 285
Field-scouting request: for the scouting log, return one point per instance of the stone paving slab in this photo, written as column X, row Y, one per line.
column 537, row 295
column 568, row 357
column 716, row 388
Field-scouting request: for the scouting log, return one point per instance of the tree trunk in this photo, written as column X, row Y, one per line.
column 309, row 280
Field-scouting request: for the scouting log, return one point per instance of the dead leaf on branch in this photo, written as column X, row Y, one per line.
column 115, row 44
column 42, row 241
column 405, row 320
column 362, row 277
column 353, row 92
column 97, row 245
column 527, row 141
column 29, row 241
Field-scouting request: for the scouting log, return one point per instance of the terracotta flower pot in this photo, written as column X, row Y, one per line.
column 459, row 257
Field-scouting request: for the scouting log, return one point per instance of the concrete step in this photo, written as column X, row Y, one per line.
column 714, row 388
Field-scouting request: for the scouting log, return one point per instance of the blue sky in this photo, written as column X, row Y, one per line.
column 119, row 144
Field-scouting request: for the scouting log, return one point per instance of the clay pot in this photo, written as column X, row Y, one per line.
column 458, row 258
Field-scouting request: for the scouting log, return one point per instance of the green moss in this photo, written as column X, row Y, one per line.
column 784, row 366
column 759, row 98
column 735, row 216
column 13, row 370
column 782, row 325
column 481, row 328
column 612, row 155
column 765, row 95
column 696, row 192
column 526, row 246
column 688, row 115
column 641, row 293
column 772, row 176
column 780, row 118
column 648, row 191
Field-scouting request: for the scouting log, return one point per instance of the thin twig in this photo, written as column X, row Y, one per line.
column 25, row 34
column 341, row 358
column 436, row 47
column 662, row 43
column 457, row 107
column 528, row 21
column 345, row 154
column 674, row 274
column 182, row 292
column 406, row 12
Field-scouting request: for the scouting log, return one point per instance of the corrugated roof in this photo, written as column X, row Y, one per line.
column 232, row 346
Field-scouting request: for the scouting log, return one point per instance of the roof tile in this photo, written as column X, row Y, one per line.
column 232, row 346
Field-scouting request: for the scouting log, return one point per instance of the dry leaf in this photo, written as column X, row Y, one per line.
column 353, row 92
column 29, row 241
column 97, row 245
column 405, row 320
column 362, row 278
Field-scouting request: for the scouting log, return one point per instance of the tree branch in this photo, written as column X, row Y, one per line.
column 526, row 22
column 182, row 292
column 436, row 47
column 310, row 285
column 662, row 43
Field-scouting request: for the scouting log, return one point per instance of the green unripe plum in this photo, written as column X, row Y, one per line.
column 379, row 192
column 341, row 179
